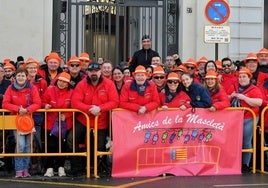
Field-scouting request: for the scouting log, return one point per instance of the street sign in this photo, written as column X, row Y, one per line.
column 217, row 11
column 217, row 34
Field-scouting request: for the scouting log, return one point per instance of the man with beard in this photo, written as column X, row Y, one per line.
column 9, row 71
column 263, row 60
column 94, row 95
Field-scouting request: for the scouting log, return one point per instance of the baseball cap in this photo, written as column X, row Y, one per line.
column 94, row 66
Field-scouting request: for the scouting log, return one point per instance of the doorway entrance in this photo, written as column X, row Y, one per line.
column 112, row 29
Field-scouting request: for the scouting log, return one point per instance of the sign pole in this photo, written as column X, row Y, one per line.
column 217, row 12
column 216, row 51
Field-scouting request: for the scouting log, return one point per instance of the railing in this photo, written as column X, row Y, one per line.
column 7, row 122
column 254, row 138
column 96, row 152
column 264, row 148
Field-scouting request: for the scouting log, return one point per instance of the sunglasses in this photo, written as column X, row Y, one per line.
column 159, row 77
column 173, row 81
column 227, row 65
column 192, row 68
column 74, row 65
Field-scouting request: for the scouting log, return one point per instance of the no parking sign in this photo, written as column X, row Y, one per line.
column 217, row 11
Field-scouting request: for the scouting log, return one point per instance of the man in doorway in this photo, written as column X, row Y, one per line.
column 143, row 56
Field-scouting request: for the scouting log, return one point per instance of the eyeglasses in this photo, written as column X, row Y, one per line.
column 173, row 81
column 226, row 65
column 159, row 77
column 192, row 68
column 74, row 65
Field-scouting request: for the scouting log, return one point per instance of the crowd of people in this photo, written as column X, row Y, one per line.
column 147, row 83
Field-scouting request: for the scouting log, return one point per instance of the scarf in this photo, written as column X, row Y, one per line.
column 17, row 87
column 169, row 95
column 241, row 89
column 139, row 88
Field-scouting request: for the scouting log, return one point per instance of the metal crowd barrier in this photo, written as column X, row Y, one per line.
column 254, row 138
column 264, row 148
column 7, row 122
column 250, row 150
column 96, row 152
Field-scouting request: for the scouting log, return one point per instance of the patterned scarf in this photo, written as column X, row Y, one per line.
column 139, row 88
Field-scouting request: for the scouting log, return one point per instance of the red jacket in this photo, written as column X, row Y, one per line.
column 264, row 90
column 253, row 92
column 180, row 99
column 28, row 96
column 219, row 99
column 58, row 98
column 132, row 100
column 228, row 80
column 261, row 78
column 103, row 95
column 43, row 72
column 41, row 84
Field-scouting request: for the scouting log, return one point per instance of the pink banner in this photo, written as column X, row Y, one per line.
column 182, row 143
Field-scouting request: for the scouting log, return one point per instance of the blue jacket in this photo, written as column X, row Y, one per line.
column 200, row 97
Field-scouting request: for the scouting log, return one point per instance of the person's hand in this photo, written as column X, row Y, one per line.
column 47, row 106
column 212, row 109
column 62, row 117
column 22, row 111
column 233, row 94
column 241, row 96
column 164, row 107
column 95, row 110
column 142, row 110
column 183, row 107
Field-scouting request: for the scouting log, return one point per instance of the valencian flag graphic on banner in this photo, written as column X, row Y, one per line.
column 182, row 143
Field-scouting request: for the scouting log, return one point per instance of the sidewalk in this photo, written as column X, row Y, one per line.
column 248, row 180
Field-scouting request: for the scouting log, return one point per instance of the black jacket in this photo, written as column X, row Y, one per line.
column 3, row 87
column 142, row 57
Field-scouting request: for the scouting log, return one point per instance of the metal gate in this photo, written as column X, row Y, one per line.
column 112, row 29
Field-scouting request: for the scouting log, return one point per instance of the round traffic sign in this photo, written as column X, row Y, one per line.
column 217, row 11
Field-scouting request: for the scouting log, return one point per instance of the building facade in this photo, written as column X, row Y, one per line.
column 112, row 29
